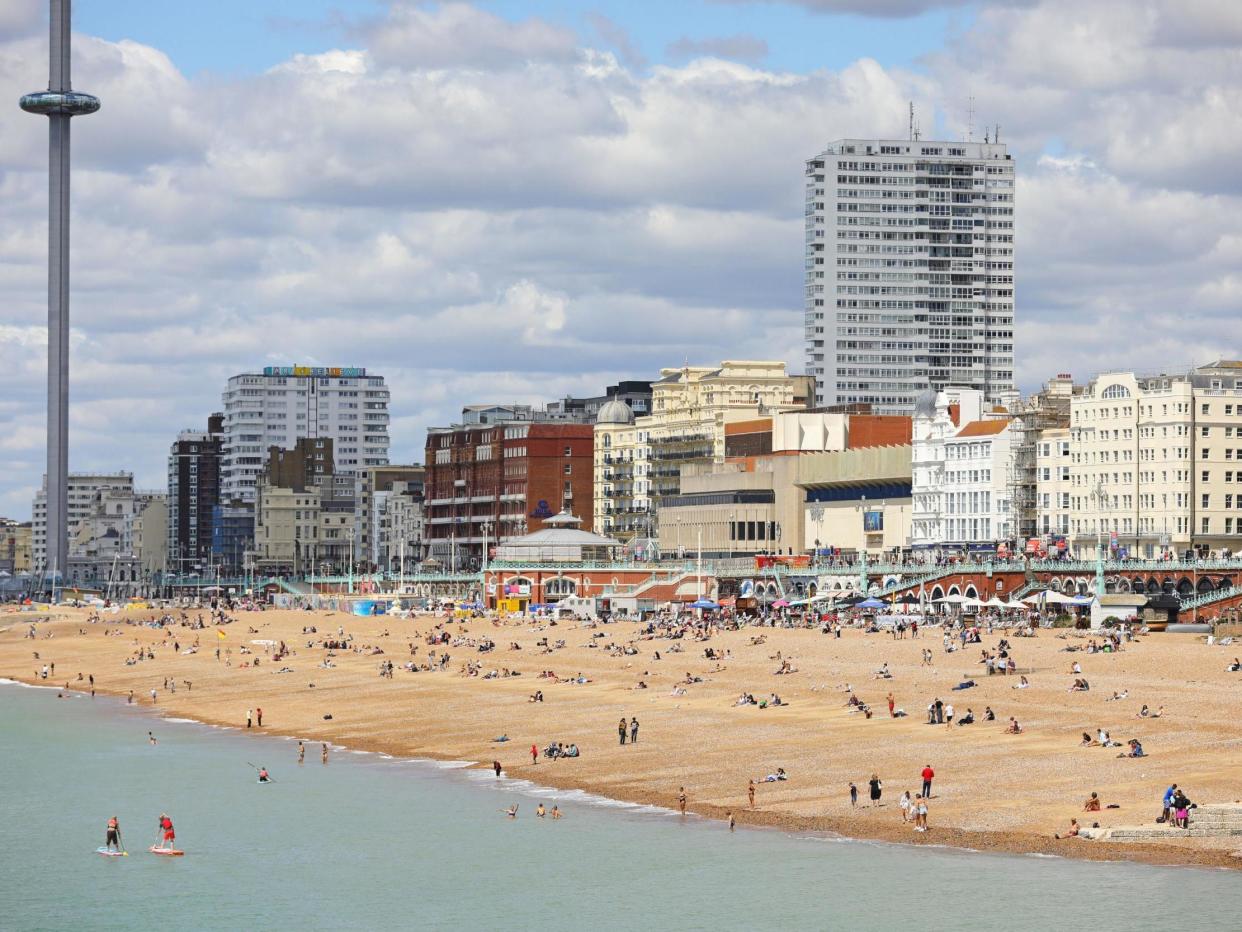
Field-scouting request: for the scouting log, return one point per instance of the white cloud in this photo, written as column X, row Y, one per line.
column 486, row 210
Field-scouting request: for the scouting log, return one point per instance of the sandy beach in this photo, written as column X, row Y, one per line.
column 992, row 790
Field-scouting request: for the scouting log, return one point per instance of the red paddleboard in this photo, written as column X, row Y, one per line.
column 167, row 852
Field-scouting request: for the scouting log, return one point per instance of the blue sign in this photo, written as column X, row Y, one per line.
column 542, row 510
column 873, row 521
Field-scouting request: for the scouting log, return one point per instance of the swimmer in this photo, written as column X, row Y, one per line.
column 151, row 738
column 540, row 811
column 511, row 812
column 556, row 812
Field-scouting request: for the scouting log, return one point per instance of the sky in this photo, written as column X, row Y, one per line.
column 511, row 200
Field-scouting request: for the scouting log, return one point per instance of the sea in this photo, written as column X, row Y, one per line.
column 372, row 842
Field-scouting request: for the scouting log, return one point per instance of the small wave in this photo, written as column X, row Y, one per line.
column 451, row 764
column 186, row 721
column 7, row 682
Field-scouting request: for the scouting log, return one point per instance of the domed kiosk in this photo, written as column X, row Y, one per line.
column 559, row 541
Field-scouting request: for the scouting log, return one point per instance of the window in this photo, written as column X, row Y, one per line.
column 1207, row 525
column 1206, row 499
column 1205, row 431
column 569, row 451
column 569, row 469
column 1205, row 476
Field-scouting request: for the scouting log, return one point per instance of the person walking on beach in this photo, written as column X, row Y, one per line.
column 249, row 718
column 534, row 754
column 130, row 700
column 259, row 716
column 853, row 795
column 301, row 753
column 152, row 697
column 928, row 776
column 112, row 839
column 681, row 799
column 750, row 793
column 634, row 730
column 621, row 729
column 876, row 789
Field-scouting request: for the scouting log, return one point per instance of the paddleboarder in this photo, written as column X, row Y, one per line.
column 166, row 829
column 112, row 840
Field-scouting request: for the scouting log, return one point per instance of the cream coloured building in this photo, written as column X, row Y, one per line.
column 1052, row 483
column 856, row 501
column 1132, row 465
column 738, row 508
column 639, row 460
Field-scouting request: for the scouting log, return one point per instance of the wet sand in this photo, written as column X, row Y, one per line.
column 992, row 791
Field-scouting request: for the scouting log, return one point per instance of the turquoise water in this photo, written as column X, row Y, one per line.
column 374, row 843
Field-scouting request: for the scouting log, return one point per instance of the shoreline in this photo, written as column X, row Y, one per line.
column 826, row 827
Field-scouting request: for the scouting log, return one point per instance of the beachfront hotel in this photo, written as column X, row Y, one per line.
column 281, row 404
column 909, row 271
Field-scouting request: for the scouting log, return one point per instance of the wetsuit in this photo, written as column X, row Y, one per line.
column 113, row 838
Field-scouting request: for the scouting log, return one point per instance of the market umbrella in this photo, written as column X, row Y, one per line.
column 871, row 603
column 851, row 599
column 908, row 599
column 782, row 603
column 704, row 603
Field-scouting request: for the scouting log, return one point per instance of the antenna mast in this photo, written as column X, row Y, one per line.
column 970, row 120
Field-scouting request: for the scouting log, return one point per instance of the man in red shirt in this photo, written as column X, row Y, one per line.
column 534, row 754
column 928, row 775
column 169, row 835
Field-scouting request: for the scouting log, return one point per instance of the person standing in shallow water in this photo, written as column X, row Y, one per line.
column 301, row 753
column 496, row 767
column 324, row 753
column 681, row 799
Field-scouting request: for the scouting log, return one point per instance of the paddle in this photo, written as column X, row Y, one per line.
column 269, row 776
column 120, row 841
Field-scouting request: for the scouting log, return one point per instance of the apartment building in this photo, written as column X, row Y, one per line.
column 280, row 404
column 909, row 265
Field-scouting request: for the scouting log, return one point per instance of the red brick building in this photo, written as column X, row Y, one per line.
column 500, row 480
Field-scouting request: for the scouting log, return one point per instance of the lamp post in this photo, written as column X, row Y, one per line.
column 59, row 103
column 1100, row 498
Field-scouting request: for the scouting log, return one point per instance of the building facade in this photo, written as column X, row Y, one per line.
column 856, row 501
column 277, row 406
column 83, row 488
column 1153, row 463
column 965, row 468
column 909, row 270
column 376, row 485
column 490, row 482
column 638, row 460
column 15, row 546
column 193, row 493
